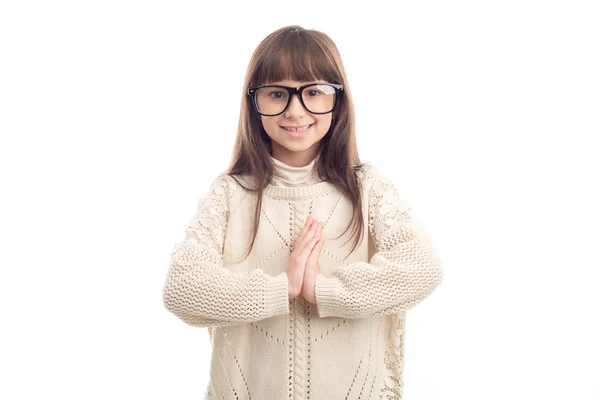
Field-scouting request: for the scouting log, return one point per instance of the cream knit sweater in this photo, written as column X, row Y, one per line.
column 268, row 347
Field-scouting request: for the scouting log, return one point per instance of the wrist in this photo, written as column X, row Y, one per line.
column 293, row 289
column 308, row 286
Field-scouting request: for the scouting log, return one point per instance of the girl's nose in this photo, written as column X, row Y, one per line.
column 295, row 107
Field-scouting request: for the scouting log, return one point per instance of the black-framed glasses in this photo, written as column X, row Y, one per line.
column 317, row 98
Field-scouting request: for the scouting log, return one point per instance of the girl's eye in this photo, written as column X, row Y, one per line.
column 276, row 94
column 313, row 93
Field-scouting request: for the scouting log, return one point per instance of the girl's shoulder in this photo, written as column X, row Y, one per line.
column 365, row 172
column 224, row 179
column 371, row 177
column 226, row 190
column 233, row 182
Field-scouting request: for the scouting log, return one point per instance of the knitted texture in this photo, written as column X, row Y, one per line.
column 350, row 344
column 203, row 293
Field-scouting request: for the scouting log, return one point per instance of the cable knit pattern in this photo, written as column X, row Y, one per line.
column 299, row 324
column 266, row 346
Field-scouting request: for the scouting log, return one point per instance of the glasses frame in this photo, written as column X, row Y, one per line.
column 292, row 91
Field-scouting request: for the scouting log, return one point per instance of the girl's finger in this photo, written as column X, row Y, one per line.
column 309, row 221
column 310, row 242
column 320, row 229
column 309, row 234
column 305, row 231
column 317, row 237
column 320, row 243
column 316, row 251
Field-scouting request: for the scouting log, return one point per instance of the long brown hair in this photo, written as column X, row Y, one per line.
column 295, row 53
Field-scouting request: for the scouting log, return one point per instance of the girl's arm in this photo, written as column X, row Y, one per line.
column 199, row 290
column 405, row 269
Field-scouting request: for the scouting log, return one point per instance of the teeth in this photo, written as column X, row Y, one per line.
column 301, row 129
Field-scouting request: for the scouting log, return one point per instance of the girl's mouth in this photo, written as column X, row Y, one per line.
column 298, row 132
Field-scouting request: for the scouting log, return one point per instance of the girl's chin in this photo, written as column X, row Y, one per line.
column 298, row 134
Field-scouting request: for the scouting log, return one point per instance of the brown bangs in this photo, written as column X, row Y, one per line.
column 294, row 57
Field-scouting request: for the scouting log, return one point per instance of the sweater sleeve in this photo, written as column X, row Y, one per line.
column 200, row 290
column 404, row 270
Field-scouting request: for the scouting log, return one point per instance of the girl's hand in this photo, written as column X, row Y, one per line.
column 311, row 271
column 296, row 265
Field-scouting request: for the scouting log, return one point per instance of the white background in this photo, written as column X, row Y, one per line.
column 116, row 115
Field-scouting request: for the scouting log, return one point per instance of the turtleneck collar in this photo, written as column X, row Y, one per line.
column 286, row 175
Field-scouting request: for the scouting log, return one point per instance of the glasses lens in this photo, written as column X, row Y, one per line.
column 319, row 98
column 271, row 100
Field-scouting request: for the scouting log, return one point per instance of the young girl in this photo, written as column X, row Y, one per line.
column 275, row 264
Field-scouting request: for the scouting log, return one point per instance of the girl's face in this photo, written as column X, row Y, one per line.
column 296, row 149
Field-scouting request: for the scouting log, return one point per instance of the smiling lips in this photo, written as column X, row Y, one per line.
column 296, row 129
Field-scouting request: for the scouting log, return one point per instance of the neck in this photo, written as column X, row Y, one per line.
column 295, row 158
column 294, row 176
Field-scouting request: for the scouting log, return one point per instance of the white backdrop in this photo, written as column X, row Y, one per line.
column 116, row 115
